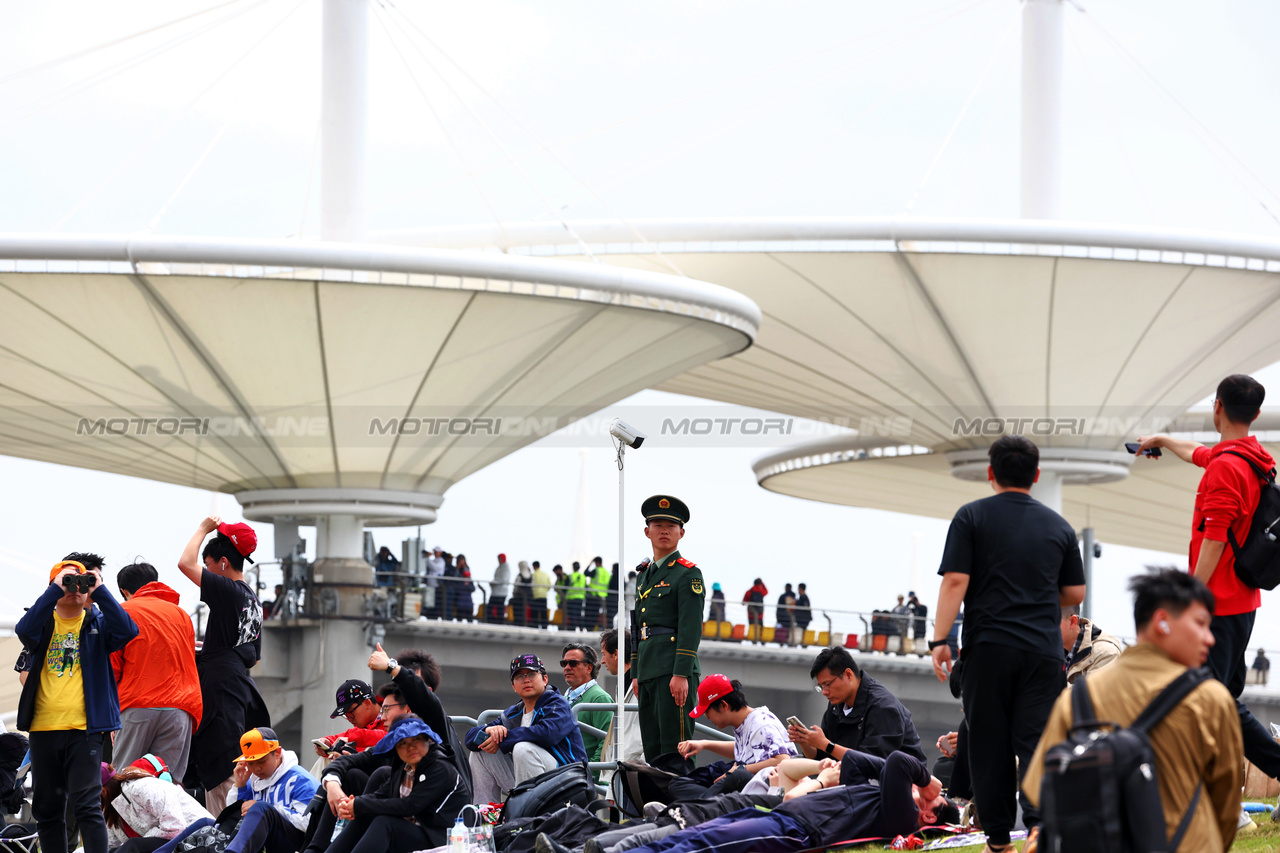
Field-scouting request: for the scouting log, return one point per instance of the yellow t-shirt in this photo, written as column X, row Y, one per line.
column 60, row 695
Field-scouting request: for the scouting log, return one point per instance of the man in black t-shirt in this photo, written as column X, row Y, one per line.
column 232, row 644
column 1014, row 563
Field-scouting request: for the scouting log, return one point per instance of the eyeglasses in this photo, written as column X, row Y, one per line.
column 820, row 687
column 524, row 676
column 382, row 711
column 568, row 663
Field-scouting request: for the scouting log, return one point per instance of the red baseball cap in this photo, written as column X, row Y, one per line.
column 242, row 537
column 712, row 688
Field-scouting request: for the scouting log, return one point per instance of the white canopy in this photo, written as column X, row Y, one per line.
column 939, row 334
column 363, row 374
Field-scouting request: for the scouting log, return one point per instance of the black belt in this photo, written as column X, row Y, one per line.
column 656, row 631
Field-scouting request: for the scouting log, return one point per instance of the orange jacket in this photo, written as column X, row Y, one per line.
column 157, row 669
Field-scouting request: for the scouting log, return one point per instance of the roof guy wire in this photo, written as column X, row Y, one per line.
column 514, row 162
column 964, row 111
column 311, row 174
column 174, row 119
column 457, row 151
column 1007, row 78
column 204, row 155
column 875, row 105
column 73, row 89
column 69, row 57
column 625, row 170
column 1196, row 125
column 1100, row 97
column 484, row 125
column 678, row 102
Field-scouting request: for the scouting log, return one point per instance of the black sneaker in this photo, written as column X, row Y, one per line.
column 546, row 844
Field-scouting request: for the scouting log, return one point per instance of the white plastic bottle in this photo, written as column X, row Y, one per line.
column 458, row 836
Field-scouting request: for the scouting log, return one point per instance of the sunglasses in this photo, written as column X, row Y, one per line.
column 565, row 663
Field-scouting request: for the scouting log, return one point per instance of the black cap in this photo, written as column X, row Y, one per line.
column 349, row 695
column 665, row 508
column 529, row 662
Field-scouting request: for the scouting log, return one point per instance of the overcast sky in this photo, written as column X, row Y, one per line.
column 522, row 110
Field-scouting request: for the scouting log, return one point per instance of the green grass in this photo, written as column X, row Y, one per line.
column 1264, row 839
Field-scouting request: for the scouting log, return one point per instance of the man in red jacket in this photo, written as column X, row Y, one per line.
column 1225, row 501
column 160, row 701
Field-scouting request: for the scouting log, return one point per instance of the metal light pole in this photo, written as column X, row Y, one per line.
column 344, row 110
column 623, row 654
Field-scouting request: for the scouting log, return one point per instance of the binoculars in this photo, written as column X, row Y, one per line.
column 79, row 583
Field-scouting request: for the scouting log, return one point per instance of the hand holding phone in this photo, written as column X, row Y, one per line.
column 1132, row 447
column 795, row 721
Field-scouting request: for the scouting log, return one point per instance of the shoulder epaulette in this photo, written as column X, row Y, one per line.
column 644, row 564
column 688, row 565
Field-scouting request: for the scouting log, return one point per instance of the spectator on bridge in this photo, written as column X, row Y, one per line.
column 1087, row 646
column 785, row 617
column 522, row 593
column 716, row 610
column 541, row 584
column 630, row 590
column 534, row 735
column 754, row 599
column 460, row 588
column 1262, row 666
column 611, row 603
column 919, row 618
column 804, row 610
column 902, row 617
column 68, row 704
column 384, row 567
column 274, row 608
column 597, row 592
column 500, row 591
column 159, row 690
column 575, row 596
column 1013, row 562
column 232, row 645
column 863, row 715
column 561, row 587
column 759, row 741
column 580, row 665
column 435, row 598
column 414, row 807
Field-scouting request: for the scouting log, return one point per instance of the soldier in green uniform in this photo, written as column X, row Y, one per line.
column 666, row 629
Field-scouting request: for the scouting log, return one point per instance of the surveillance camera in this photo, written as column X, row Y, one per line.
column 627, row 434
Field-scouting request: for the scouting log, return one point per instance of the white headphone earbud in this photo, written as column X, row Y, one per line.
column 1164, row 627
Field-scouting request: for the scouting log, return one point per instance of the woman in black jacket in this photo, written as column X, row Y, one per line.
column 416, row 807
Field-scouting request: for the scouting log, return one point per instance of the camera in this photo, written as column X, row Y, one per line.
column 79, row 583
column 626, row 433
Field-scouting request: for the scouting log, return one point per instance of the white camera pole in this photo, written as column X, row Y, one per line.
column 623, row 653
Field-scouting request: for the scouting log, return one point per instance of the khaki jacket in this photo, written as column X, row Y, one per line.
column 1199, row 741
column 1097, row 649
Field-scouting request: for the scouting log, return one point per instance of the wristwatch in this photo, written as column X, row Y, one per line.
column 933, row 644
column 392, row 663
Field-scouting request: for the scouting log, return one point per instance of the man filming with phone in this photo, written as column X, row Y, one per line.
column 1225, row 502
column 69, row 703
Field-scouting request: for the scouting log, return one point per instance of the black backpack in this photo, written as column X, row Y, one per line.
column 567, row 785
column 1100, row 792
column 1258, row 559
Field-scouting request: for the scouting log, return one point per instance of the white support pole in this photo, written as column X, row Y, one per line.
column 1048, row 490
column 1042, row 53
column 339, row 536
column 623, row 655
column 344, row 112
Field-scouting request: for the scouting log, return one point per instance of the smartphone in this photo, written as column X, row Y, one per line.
column 1132, row 447
column 795, row 721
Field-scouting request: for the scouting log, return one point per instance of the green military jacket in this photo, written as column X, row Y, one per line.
column 670, row 595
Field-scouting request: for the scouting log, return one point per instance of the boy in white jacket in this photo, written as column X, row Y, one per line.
column 274, row 792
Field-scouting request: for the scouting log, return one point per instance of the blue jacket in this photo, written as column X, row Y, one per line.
column 288, row 790
column 107, row 628
column 553, row 728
